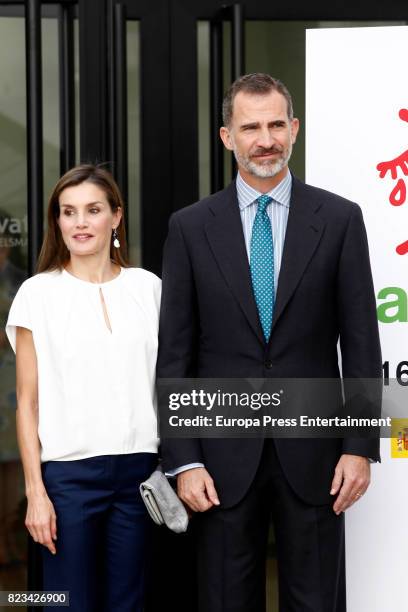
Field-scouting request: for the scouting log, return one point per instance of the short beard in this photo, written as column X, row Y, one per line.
column 265, row 170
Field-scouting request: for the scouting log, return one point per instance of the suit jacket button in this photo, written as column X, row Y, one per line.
column 268, row 364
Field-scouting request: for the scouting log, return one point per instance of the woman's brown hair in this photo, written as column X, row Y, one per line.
column 54, row 254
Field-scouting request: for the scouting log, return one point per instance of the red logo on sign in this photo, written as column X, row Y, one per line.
column 398, row 194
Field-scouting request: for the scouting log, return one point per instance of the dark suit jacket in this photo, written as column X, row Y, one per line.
column 209, row 325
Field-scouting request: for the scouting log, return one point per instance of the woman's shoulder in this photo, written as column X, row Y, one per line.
column 40, row 281
column 142, row 276
column 144, row 286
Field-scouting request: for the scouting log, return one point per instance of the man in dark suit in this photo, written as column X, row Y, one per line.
column 261, row 280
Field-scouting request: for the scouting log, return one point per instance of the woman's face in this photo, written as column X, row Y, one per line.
column 86, row 219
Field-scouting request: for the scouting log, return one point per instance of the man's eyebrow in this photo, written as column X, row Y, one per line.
column 255, row 124
column 249, row 125
column 88, row 204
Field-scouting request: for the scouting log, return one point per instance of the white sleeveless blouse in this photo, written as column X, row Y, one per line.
column 96, row 387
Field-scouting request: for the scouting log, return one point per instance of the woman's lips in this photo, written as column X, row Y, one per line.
column 83, row 237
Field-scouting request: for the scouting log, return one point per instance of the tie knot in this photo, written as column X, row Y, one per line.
column 263, row 202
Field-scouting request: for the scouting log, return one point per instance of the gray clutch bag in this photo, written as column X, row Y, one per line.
column 162, row 503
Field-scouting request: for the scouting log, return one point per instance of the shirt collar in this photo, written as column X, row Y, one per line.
column 280, row 194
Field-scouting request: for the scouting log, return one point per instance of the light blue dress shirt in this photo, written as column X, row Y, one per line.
column 278, row 212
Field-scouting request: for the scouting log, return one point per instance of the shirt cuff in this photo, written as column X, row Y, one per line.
column 183, row 468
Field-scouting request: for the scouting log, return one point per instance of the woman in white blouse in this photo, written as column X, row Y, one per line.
column 84, row 330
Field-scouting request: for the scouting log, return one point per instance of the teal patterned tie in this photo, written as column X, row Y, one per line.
column 261, row 264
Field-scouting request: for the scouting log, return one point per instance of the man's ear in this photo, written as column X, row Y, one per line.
column 294, row 129
column 226, row 138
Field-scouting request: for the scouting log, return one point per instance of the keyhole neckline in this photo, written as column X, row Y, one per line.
column 91, row 284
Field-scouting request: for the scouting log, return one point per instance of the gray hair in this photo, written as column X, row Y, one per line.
column 257, row 83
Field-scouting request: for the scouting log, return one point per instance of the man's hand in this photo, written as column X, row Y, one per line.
column 195, row 488
column 351, row 478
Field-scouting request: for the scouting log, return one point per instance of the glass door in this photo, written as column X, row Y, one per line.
column 14, row 250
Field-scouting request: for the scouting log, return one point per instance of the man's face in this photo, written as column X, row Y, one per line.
column 261, row 134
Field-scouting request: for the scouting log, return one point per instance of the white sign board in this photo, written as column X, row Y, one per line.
column 357, row 146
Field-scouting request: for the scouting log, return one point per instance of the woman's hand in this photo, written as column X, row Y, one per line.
column 41, row 520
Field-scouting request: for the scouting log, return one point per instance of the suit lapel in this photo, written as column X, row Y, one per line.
column 226, row 238
column 303, row 234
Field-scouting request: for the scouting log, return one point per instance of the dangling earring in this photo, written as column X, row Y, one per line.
column 116, row 242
